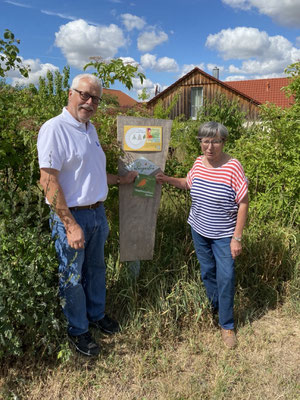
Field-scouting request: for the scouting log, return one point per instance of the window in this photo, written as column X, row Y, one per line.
column 196, row 101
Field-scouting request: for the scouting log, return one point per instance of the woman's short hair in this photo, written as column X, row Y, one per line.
column 212, row 129
column 90, row 77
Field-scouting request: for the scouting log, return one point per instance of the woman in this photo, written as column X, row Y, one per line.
column 217, row 217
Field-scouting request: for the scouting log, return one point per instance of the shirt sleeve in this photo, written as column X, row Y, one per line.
column 191, row 174
column 50, row 147
column 240, row 183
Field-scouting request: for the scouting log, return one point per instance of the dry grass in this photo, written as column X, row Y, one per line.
column 197, row 366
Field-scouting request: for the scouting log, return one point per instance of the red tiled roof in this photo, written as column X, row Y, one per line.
column 264, row 90
column 124, row 99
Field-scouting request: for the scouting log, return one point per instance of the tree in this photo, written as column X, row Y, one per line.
column 115, row 70
column 9, row 55
column 272, row 160
column 144, row 95
column 293, row 89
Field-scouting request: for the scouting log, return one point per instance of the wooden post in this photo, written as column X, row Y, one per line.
column 138, row 214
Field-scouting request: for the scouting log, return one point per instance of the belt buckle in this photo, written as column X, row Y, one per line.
column 93, row 206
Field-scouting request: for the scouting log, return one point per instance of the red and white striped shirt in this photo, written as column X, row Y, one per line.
column 216, row 194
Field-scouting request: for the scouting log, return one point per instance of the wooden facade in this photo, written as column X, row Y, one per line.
column 211, row 87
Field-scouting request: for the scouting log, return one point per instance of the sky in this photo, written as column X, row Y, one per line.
column 245, row 39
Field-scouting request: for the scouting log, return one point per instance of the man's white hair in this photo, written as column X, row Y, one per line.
column 90, row 77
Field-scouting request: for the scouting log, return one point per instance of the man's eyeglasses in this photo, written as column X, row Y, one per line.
column 85, row 96
column 207, row 142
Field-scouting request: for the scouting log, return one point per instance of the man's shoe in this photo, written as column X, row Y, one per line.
column 107, row 325
column 85, row 344
column 229, row 338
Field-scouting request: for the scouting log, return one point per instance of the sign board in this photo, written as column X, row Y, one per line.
column 139, row 207
column 142, row 138
column 144, row 185
column 142, row 166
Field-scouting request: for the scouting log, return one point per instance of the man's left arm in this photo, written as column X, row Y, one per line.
column 121, row 180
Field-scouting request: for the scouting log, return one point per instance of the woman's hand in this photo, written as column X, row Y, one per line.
column 161, row 177
column 235, row 248
column 180, row 183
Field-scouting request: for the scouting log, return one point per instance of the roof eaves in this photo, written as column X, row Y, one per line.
column 196, row 69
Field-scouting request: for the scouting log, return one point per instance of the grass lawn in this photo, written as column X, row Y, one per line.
column 194, row 366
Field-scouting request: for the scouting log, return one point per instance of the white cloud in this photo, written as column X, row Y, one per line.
column 188, row 67
column 253, row 76
column 166, row 64
column 262, row 54
column 130, row 60
column 147, row 84
column 266, row 76
column 260, row 67
column 233, row 69
column 15, row 3
column 239, row 43
column 133, row 62
column 148, row 61
column 295, row 55
column 37, row 70
column 148, row 40
column 285, row 12
column 78, row 41
column 64, row 16
column 298, row 41
column 235, row 78
column 242, row 4
column 133, row 22
column 273, row 66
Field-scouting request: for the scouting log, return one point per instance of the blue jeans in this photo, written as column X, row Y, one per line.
column 218, row 275
column 82, row 272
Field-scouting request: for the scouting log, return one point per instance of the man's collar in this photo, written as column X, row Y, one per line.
column 73, row 121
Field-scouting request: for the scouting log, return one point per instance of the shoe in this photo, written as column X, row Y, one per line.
column 107, row 325
column 229, row 338
column 85, row 344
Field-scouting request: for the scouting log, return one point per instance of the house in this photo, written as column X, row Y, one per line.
column 124, row 100
column 265, row 90
column 196, row 86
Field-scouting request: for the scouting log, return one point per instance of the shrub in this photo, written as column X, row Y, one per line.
column 30, row 317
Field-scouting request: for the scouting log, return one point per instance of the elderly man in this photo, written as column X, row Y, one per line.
column 75, row 182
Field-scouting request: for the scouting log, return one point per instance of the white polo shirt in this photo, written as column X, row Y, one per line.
column 73, row 148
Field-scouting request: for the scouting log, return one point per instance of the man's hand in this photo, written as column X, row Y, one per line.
column 128, row 178
column 75, row 236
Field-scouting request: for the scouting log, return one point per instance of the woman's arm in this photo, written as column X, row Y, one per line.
column 236, row 245
column 180, row 183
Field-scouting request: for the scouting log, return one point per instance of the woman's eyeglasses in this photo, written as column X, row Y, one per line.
column 207, row 142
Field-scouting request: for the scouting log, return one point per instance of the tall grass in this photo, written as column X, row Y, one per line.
column 168, row 293
column 169, row 297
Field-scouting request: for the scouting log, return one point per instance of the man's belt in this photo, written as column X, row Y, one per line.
column 90, row 207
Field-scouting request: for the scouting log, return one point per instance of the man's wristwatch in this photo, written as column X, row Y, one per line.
column 237, row 238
